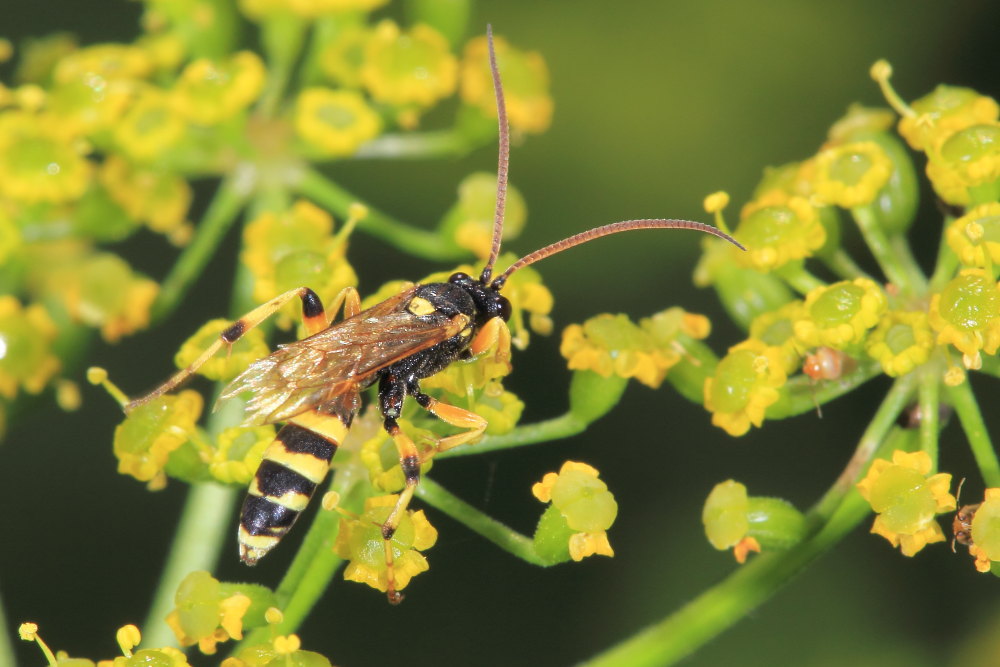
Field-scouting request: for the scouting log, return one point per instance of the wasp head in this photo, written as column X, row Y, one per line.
column 489, row 302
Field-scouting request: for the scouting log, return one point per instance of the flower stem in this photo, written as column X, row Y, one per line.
column 7, row 656
column 221, row 213
column 965, row 404
column 203, row 528
column 721, row 606
column 418, row 145
column 885, row 253
column 799, row 279
column 283, row 36
column 929, row 397
column 418, row 242
column 892, row 406
column 844, row 265
column 947, row 260
column 563, row 426
column 802, row 394
column 504, row 537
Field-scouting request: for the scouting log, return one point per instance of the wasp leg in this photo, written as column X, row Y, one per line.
column 409, row 461
column 494, row 330
column 313, row 315
column 455, row 416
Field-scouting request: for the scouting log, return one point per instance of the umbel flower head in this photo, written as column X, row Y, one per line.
column 582, row 511
column 360, row 542
column 207, row 614
column 735, row 520
column 745, row 383
column 906, row 499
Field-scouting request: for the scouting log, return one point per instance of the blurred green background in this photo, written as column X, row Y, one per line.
column 657, row 104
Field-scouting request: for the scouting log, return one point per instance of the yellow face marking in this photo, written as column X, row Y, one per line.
column 420, row 306
column 307, row 465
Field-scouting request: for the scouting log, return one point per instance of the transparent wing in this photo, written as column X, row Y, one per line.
column 337, row 360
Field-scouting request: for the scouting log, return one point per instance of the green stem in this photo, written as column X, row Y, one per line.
column 503, row 536
column 563, row 426
column 721, row 606
column 929, row 397
column 221, row 213
column 964, row 402
column 802, row 394
column 798, row 278
column 418, row 145
column 844, row 265
column 283, row 37
column 428, row 245
column 892, row 406
column 885, row 253
column 947, row 261
column 7, row 656
column 204, row 527
column 902, row 250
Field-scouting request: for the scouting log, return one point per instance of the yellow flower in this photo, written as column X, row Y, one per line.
column 150, row 127
column 840, row 314
column 985, row 532
column 360, row 541
column 334, row 122
column 263, row 9
column 205, row 613
column 295, row 248
column 776, row 328
column 944, row 111
column 613, row 345
column 525, row 84
column 585, row 504
column 414, row 67
column 851, row 175
column 966, row 159
column 342, row 57
column 157, row 197
column 906, row 500
column 145, row 440
column 208, row 92
column 976, row 233
column 41, row 160
column 470, row 222
column 26, row 357
column 113, row 62
column 966, row 314
column 103, row 291
column 745, row 383
column 901, row 341
column 778, row 234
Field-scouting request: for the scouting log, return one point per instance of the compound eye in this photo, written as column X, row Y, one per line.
column 503, row 306
column 457, row 278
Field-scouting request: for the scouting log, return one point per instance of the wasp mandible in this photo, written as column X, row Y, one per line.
column 314, row 385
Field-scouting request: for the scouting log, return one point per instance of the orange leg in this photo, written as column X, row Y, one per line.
column 313, row 315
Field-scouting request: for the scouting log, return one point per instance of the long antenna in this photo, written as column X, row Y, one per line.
column 503, row 160
column 605, row 230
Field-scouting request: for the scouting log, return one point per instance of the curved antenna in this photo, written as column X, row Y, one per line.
column 503, row 161
column 605, row 230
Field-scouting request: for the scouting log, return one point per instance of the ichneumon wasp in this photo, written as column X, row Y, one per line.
column 314, row 385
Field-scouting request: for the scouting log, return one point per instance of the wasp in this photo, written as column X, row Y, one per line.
column 313, row 386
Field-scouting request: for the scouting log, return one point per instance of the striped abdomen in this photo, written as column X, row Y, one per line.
column 293, row 465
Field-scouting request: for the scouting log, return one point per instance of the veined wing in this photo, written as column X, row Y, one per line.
column 339, row 359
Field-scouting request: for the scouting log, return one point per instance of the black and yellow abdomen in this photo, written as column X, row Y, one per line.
column 294, row 464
